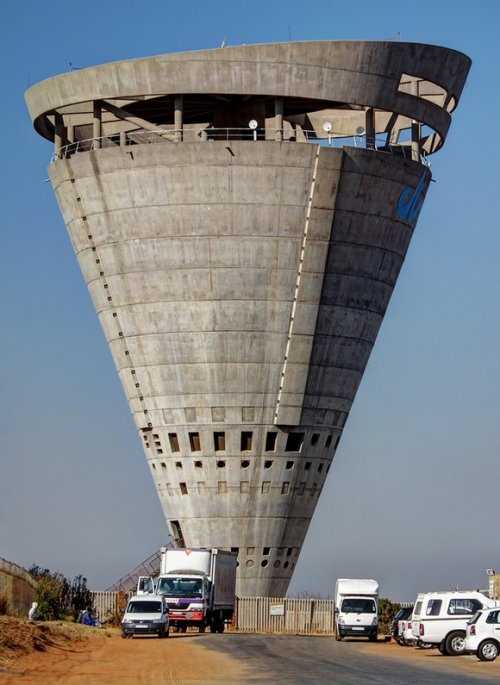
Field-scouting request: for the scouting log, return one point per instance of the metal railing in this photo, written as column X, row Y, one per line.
column 378, row 143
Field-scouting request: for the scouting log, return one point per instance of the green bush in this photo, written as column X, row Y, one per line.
column 57, row 596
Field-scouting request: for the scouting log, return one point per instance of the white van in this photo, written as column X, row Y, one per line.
column 440, row 618
column 356, row 608
column 146, row 615
column 483, row 634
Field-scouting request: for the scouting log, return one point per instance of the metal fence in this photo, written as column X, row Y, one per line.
column 106, row 603
column 380, row 142
column 254, row 614
column 283, row 615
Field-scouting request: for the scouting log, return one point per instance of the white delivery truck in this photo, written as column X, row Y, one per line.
column 356, row 608
column 198, row 586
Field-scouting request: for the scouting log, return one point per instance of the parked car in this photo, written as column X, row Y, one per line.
column 483, row 635
column 146, row 615
column 399, row 623
column 441, row 618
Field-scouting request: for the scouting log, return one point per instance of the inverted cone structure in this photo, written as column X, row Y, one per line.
column 240, row 216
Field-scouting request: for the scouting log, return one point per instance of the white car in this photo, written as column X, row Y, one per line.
column 440, row 618
column 146, row 615
column 405, row 633
column 483, row 634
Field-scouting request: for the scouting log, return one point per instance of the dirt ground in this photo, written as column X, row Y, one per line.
column 85, row 656
column 104, row 658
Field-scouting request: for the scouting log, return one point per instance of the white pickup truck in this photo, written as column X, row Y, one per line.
column 440, row 618
column 356, row 608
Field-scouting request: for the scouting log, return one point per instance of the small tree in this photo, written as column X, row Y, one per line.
column 81, row 596
column 386, row 611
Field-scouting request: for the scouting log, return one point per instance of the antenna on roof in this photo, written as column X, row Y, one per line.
column 223, row 44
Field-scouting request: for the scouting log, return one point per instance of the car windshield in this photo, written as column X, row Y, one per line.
column 144, row 608
column 358, row 605
column 180, row 587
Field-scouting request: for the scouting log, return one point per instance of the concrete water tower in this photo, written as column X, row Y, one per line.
column 240, row 217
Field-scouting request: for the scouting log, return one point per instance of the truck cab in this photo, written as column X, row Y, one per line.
column 187, row 597
column 356, row 608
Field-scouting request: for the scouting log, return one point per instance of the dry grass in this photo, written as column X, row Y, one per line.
column 19, row 636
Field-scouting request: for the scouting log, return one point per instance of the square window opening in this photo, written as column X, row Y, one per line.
column 294, row 442
column 246, row 441
column 271, row 441
column 219, row 441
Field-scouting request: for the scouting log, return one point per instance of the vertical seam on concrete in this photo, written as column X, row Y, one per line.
column 297, row 281
column 102, row 279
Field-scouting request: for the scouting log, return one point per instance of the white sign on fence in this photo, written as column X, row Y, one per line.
column 276, row 610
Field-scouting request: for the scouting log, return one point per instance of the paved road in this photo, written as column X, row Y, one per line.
column 309, row 660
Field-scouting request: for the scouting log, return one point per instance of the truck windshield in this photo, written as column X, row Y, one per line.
column 144, row 608
column 358, row 605
column 180, row 587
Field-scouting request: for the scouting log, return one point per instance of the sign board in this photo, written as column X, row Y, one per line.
column 276, row 610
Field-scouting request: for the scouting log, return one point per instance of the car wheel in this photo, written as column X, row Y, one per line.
column 455, row 643
column 161, row 633
column 488, row 650
column 124, row 636
column 373, row 638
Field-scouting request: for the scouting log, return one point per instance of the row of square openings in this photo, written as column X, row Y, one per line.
column 245, row 463
column 287, row 488
column 294, row 441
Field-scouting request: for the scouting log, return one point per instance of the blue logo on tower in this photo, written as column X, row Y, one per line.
column 411, row 200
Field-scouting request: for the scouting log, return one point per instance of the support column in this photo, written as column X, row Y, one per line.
column 97, row 124
column 178, row 116
column 123, row 138
column 70, row 133
column 58, row 134
column 278, row 118
column 370, row 128
column 415, row 129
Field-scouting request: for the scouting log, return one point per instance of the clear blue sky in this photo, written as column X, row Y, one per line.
column 413, row 498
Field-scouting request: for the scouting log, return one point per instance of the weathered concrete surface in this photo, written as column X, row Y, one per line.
column 17, row 586
column 241, row 285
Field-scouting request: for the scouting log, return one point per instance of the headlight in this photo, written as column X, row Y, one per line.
column 374, row 621
column 341, row 621
column 196, row 607
column 127, row 620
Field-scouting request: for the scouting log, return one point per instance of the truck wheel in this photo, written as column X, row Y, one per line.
column 455, row 643
column 488, row 650
column 202, row 627
column 183, row 629
column 442, row 648
column 221, row 625
column 213, row 626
